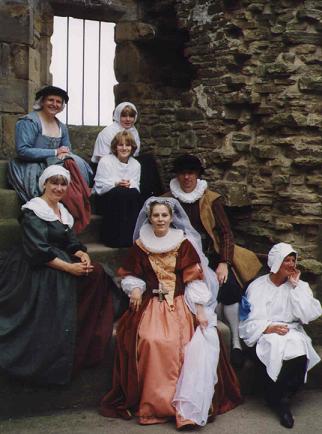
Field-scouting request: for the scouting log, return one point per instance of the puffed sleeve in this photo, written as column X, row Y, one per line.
column 196, row 290
column 35, row 240
column 106, row 176
column 304, row 306
column 254, row 326
column 26, row 135
column 132, row 273
column 135, row 175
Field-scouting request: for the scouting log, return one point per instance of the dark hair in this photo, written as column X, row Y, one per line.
column 128, row 110
column 188, row 163
column 155, row 203
column 52, row 90
column 129, row 140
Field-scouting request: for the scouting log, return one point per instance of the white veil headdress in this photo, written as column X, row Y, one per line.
column 180, row 220
column 198, row 376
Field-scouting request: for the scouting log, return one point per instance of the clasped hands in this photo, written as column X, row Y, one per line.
column 84, row 267
column 123, row 183
column 63, row 152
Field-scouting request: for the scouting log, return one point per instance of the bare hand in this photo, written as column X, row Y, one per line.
column 124, row 183
column 135, row 299
column 84, row 257
column 80, row 269
column 201, row 317
column 277, row 328
column 63, row 150
column 63, row 155
column 222, row 272
column 294, row 277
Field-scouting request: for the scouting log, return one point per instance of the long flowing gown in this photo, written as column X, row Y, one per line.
column 151, row 342
column 36, row 151
column 51, row 322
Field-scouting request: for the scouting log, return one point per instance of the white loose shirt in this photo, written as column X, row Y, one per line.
column 111, row 170
column 270, row 305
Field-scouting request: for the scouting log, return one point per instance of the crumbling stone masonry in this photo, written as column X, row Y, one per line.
column 238, row 83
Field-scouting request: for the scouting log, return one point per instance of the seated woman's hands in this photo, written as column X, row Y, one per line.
column 279, row 329
column 123, row 183
column 79, row 269
column 84, row 257
column 201, row 316
column 135, row 299
column 62, row 152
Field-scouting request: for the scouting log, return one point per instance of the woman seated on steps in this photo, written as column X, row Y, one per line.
column 117, row 184
column 56, row 311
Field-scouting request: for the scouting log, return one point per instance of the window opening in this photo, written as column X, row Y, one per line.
column 83, row 63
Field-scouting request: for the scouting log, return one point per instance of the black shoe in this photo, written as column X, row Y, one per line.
column 237, row 358
column 286, row 417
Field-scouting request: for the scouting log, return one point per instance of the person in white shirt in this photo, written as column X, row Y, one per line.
column 280, row 303
column 117, row 183
column 124, row 118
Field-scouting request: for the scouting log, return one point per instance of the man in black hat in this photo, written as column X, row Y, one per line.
column 234, row 265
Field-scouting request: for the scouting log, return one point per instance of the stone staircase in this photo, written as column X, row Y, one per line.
column 19, row 399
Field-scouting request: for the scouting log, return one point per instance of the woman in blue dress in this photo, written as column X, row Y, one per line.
column 42, row 140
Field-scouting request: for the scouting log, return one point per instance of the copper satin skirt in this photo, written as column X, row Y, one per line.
column 162, row 336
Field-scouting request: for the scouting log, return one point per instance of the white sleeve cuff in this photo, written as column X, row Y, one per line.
column 197, row 292
column 131, row 282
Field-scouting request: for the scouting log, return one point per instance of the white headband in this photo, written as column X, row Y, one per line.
column 277, row 254
column 53, row 170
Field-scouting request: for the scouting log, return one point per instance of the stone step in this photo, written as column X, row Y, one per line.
column 91, row 234
column 106, row 255
column 3, row 174
column 10, row 233
column 10, row 204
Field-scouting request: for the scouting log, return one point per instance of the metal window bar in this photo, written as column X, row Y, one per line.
column 99, row 74
column 83, row 68
column 83, row 71
column 67, row 63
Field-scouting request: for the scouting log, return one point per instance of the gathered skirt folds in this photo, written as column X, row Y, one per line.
column 119, row 208
column 52, row 323
column 161, row 337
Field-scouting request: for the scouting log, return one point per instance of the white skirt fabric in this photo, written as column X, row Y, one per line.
column 196, row 384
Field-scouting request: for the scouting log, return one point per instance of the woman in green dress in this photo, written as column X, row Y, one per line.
column 55, row 304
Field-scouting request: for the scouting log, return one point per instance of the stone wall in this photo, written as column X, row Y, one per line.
column 236, row 82
column 239, row 83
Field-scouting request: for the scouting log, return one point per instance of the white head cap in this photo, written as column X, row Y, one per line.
column 119, row 108
column 53, row 170
column 277, row 254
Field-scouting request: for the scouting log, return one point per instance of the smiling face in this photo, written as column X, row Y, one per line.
column 187, row 180
column 160, row 219
column 288, row 266
column 123, row 150
column 52, row 105
column 55, row 188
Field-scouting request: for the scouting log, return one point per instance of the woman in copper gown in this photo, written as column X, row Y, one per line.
column 157, row 375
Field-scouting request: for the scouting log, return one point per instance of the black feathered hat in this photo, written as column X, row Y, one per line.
column 52, row 90
column 187, row 163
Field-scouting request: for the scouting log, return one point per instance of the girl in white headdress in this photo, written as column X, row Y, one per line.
column 56, row 310
column 280, row 303
column 124, row 118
